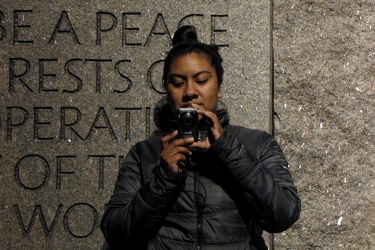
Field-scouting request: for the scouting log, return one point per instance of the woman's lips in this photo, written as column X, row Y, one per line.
column 188, row 105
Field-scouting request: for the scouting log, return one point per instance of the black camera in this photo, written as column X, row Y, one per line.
column 188, row 123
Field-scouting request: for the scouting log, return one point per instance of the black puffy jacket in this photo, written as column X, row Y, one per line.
column 242, row 181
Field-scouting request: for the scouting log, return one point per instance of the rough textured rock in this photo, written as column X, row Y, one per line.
column 324, row 99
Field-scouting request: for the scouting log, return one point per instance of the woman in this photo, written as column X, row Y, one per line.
column 219, row 192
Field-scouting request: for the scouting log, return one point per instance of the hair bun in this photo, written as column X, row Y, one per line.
column 185, row 34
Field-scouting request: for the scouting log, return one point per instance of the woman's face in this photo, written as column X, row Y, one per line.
column 192, row 79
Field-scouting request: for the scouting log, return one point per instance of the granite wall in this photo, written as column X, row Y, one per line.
column 78, row 83
column 324, row 99
column 79, row 80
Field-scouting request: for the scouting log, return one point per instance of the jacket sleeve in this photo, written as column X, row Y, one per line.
column 257, row 162
column 136, row 207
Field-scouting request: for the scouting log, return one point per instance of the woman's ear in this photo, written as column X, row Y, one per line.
column 219, row 92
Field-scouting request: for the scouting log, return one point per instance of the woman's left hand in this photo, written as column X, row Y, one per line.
column 216, row 129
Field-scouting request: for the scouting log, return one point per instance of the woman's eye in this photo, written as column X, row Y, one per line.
column 177, row 83
column 203, row 77
column 201, row 81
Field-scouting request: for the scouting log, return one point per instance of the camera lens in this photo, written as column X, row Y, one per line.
column 187, row 121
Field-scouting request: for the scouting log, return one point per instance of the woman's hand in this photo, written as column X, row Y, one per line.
column 175, row 151
column 216, row 128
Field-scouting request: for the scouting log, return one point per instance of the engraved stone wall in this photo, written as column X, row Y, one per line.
column 78, row 83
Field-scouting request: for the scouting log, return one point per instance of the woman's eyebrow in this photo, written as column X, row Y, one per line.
column 202, row 72
column 177, row 75
column 195, row 75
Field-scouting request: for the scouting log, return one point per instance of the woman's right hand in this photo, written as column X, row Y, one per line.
column 175, row 151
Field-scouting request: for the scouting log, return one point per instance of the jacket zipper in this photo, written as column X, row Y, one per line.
column 199, row 210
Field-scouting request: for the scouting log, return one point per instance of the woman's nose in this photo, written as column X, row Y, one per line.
column 190, row 89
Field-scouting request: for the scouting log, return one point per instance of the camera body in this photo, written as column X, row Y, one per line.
column 187, row 123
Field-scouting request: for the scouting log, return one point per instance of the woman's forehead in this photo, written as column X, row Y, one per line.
column 191, row 62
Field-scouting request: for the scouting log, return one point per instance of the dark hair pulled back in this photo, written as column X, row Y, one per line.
column 185, row 41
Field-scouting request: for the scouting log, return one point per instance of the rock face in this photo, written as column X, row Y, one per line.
column 79, row 82
column 324, row 98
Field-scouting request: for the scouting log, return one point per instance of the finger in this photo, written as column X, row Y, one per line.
column 171, row 150
column 197, row 107
column 182, row 142
column 179, row 163
column 174, row 163
column 211, row 116
column 165, row 140
column 216, row 128
column 172, row 156
column 177, row 147
column 202, row 144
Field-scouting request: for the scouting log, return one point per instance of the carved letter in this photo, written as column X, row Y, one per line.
column 59, row 172
column 38, row 123
column 32, row 161
column 99, row 27
column 155, row 31
column 3, row 31
column 126, row 28
column 101, row 115
column 64, row 21
column 42, row 75
column 97, row 71
column 127, row 121
column 65, row 123
column 17, row 26
column 37, row 212
column 215, row 30
column 78, row 209
column 22, row 116
column 101, row 168
column 13, row 75
column 68, row 71
column 151, row 75
column 181, row 23
column 117, row 69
